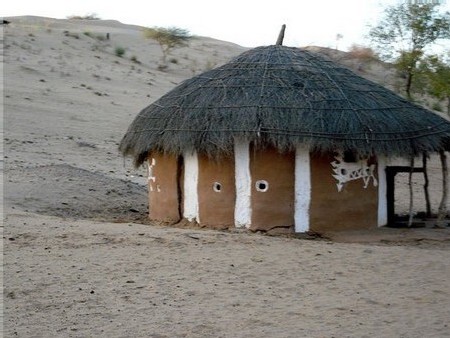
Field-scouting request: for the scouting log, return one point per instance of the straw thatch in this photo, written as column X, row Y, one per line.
column 283, row 96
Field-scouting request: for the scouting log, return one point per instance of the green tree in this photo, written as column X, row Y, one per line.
column 168, row 38
column 437, row 72
column 405, row 32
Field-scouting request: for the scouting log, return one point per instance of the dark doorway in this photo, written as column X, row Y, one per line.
column 391, row 173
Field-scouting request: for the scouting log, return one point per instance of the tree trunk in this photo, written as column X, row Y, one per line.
column 426, row 185
column 442, row 212
column 409, row 84
column 411, row 194
column 448, row 105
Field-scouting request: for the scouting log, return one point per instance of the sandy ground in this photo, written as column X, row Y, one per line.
column 80, row 259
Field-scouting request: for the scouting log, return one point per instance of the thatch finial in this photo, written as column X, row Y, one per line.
column 281, row 36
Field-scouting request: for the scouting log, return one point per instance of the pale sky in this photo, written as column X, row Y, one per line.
column 249, row 23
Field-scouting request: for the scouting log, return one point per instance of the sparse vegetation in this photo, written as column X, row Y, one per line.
column 119, row 51
column 135, row 59
column 99, row 37
column 404, row 34
column 162, row 67
column 91, row 16
column 437, row 73
column 437, row 106
column 362, row 52
column 168, row 38
column 71, row 35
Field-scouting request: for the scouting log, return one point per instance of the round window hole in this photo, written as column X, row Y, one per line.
column 217, row 187
column 262, row 186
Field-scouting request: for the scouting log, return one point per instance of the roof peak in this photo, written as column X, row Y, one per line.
column 281, row 36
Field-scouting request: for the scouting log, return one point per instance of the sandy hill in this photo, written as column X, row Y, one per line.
column 69, row 98
column 78, row 262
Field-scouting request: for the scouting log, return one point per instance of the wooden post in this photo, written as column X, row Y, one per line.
column 426, row 185
column 442, row 211
column 411, row 194
column 281, row 36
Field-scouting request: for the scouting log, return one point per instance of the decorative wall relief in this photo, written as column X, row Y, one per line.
column 349, row 171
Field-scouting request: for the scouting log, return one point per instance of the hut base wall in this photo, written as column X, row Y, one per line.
column 272, row 191
column 163, row 188
column 354, row 207
column 216, row 192
column 284, row 189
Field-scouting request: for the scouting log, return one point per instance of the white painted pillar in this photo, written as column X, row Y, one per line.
column 302, row 189
column 382, row 192
column 242, row 210
column 191, row 186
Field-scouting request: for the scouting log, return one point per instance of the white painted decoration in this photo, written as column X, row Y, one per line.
column 302, row 189
column 191, row 186
column 151, row 178
column 242, row 210
column 349, row 171
column 382, row 192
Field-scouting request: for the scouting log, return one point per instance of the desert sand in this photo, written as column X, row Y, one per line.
column 80, row 258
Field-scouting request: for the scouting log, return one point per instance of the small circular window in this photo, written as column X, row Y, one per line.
column 217, row 187
column 262, row 185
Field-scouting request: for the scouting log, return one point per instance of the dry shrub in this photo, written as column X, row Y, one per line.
column 91, row 16
column 362, row 52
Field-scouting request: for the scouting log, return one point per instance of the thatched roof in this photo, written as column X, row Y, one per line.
column 284, row 96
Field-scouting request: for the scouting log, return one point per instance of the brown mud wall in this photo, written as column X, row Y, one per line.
column 216, row 192
column 163, row 191
column 274, row 207
column 354, row 207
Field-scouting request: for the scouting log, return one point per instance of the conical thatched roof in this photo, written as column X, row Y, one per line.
column 284, row 96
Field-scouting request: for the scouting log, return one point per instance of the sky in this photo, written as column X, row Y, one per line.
column 249, row 23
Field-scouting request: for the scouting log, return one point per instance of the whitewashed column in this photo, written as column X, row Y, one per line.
column 242, row 210
column 191, row 186
column 382, row 192
column 302, row 189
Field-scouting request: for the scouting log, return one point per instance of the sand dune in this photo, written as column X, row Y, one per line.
column 81, row 260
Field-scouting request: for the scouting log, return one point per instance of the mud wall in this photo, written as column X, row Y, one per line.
column 354, row 207
column 272, row 194
column 163, row 188
column 216, row 192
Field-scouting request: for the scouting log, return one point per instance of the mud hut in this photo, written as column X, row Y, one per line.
column 278, row 137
